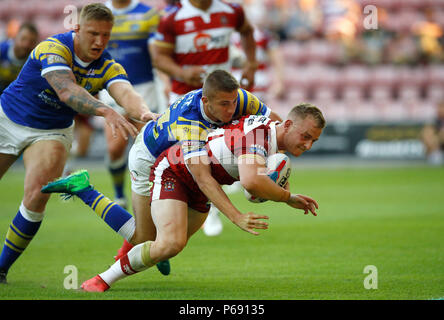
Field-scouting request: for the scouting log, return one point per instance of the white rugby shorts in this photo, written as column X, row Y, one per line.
column 140, row 161
column 15, row 138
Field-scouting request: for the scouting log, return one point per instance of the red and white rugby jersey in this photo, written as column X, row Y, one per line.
column 264, row 42
column 200, row 38
column 250, row 135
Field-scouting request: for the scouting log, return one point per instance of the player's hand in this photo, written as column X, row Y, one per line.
column 302, row 202
column 247, row 80
column 147, row 116
column 250, row 221
column 118, row 123
column 193, row 76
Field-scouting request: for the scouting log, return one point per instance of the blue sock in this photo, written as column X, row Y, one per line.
column 20, row 233
column 118, row 178
column 120, row 220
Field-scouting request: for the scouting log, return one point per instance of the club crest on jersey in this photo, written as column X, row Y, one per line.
column 201, row 41
column 169, row 185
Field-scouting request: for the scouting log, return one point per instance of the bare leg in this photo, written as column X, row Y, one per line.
column 6, row 160
column 44, row 162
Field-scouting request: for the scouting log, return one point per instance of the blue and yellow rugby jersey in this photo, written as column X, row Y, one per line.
column 185, row 120
column 133, row 26
column 10, row 66
column 30, row 100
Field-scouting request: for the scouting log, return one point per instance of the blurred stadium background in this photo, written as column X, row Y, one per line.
column 377, row 87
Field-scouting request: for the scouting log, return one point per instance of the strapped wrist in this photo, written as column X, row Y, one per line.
column 286, row 196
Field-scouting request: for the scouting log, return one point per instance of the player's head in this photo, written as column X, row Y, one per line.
column 219, row 95
column 93, row 31
column 301, row 128
column 25, row 40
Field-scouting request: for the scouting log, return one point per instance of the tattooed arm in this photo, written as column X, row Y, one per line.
column 125, row 95
column 64, row 84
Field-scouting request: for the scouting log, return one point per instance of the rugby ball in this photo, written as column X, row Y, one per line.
column 278, row 169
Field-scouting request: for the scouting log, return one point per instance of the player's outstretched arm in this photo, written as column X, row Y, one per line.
column 253, row 177
column 64, row 84
column 131, row 101
column 201, row 172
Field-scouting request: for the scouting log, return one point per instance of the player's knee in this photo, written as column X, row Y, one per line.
column 172, row 247
column 33, row 199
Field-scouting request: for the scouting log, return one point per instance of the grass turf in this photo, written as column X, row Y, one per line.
column 392, row 219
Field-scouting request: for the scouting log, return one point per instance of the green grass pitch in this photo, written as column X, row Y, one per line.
column 390, row 218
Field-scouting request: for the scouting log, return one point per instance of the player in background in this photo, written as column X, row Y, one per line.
column 433, row 138
column 59, row 80
column 134, row 25
column 193, row 40
column 14, row 52
column 237, row 151
column 269, row 77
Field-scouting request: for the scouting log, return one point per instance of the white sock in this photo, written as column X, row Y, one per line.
column 128, row 229
column 129, row 264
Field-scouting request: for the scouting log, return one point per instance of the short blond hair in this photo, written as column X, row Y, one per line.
column 96, row 11
column 302, row 110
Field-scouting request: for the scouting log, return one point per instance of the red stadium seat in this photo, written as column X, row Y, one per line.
column 435, row 92
column 394, row 110
column 363, row 111
column 354, row 75
column 424, row 110
column 293, row 52
column 409, row 92
column 353, row 93
column 335, row 111
column 381, row 93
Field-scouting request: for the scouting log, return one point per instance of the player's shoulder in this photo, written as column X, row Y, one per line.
column 190, row 102
column 66, row 38
column 145, row 8
column 247, row 97
column 169, row 14
column 170, row 9
column 59, row 44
